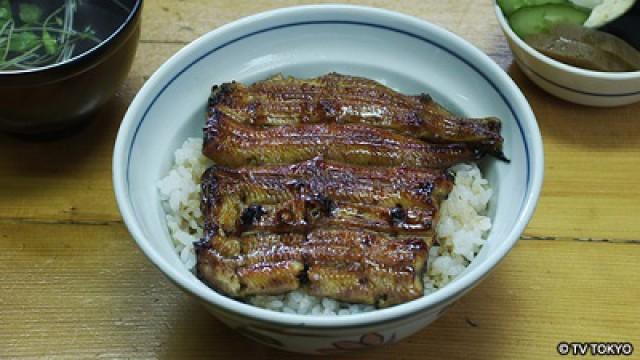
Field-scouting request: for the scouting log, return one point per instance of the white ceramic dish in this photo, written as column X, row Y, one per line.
column 570, row 83
column 401, row 51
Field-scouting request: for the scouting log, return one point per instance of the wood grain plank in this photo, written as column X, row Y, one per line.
column 177, row 22
column 168, row 20
column 592, row 163
column 86, row 291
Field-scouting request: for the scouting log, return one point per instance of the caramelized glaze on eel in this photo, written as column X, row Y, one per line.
column 341, row 99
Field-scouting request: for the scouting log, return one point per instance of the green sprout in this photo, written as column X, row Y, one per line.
column 31, row 39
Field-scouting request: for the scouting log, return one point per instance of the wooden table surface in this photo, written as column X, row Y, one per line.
column 74, row 285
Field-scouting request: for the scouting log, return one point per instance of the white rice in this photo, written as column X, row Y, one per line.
column 462, row 230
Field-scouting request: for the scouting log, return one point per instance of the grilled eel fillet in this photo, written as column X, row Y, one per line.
column 292, row 198
column 231, row 143
column 341, row 99
column 356, row 266
column 356, row 234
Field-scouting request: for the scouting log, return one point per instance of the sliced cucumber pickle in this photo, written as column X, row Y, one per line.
column 511, row 6
column 533, row 20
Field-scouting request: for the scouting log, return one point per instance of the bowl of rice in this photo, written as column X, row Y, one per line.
column 158, row 162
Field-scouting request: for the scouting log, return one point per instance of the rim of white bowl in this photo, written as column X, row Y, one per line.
column 504, row 24
column 239, row 309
